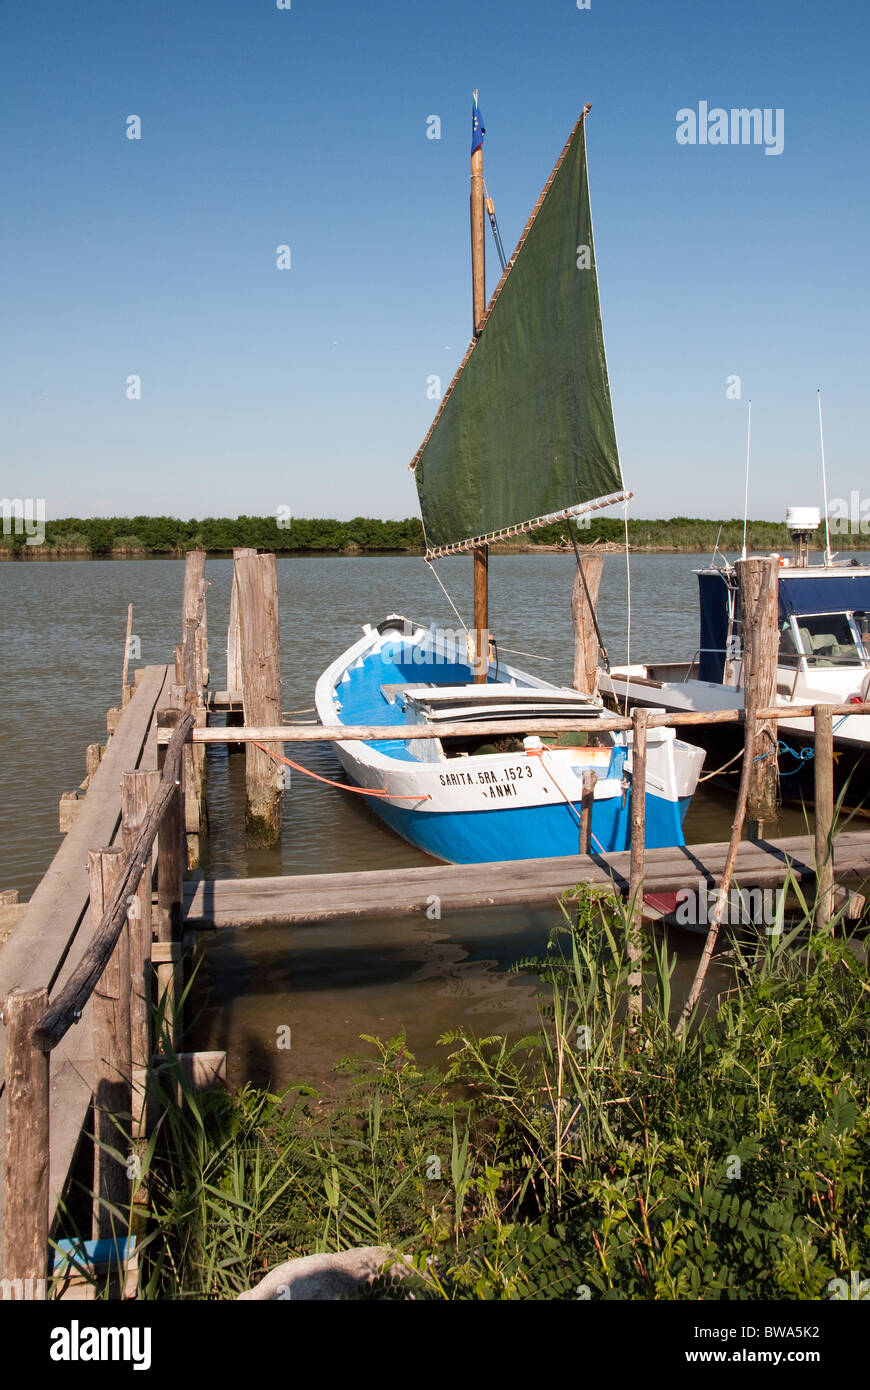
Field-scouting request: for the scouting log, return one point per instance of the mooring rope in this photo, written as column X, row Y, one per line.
column 539, row 753
column 342, row 786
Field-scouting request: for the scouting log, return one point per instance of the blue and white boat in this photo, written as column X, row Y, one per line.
column 523, row 438
column 468, row 800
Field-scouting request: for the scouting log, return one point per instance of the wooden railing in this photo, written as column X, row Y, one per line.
column 113, row 974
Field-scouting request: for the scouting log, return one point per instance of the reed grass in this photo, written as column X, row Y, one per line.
column 584, row 1160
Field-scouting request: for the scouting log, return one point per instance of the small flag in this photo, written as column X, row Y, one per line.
column 478, row 129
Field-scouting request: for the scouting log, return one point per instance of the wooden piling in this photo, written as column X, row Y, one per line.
column 26, row 1150
column 137, row 790
column 112, row 1058
column 823, row 744
column 183, row 699
column 639, row 718
column 758, row 581
column 587, row 802
column 93, row 756
column 235, row 717
column 194, row 596
column 171, row 859
column 126, row 691
column 585, row 634
column 261, row 689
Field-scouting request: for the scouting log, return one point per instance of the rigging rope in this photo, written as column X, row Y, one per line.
column 627, row 604
column 342, row 786
column 431, row 564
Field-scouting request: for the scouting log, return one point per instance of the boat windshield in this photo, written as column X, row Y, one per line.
column 825, row 639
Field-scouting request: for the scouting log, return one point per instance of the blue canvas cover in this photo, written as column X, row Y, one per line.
column 831, row 593
column 713, row 595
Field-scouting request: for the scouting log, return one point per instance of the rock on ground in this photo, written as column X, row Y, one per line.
column 329, row 1277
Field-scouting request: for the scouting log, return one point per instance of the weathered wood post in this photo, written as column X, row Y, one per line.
column 171, row 858
column 585, row 634
column 823, row 727
column 235, row 717
column 759, row 585
column 758, row 582
column 195, row 818
column 194, row 595
column 126, row 690
column 26, row 1155
column 93, row 756
column 112, row 1058
column 639, row 720
column 261, row 688
column 137, row 790
column 587, row 802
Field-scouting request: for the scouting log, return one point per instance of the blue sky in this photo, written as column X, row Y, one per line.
column 307, row 127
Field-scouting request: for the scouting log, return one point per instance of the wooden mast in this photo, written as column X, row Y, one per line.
column 478, row 279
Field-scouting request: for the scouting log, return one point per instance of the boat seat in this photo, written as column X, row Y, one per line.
column 390, row 692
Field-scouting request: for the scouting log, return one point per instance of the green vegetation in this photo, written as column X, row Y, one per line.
column 584, row 1161
column 165, row 535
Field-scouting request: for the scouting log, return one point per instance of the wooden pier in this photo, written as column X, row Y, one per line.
column 105, row 938
column 310, row 898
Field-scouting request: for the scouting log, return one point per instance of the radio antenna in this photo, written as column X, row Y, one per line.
column 746, row 495
column 828, row 556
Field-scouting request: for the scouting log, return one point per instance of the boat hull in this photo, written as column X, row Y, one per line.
column 481, row 805
column 531, row 832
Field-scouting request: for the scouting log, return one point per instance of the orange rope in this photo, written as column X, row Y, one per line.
column 539, row 753
column 343, row 786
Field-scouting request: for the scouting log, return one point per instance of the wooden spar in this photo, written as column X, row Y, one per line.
column 112, row 1065
column 824, row 815
column 25, row 1157
column 481, row 614
column 478, row 243
column 478, row 289
column 758, row 581
column 341, row 733
column 585, row 634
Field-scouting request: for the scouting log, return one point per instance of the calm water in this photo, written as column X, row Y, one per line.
column 62, row 630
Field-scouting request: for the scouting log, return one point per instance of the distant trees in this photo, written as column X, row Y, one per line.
column 168, row 535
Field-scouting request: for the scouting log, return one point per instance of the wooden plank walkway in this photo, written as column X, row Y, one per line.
column 47, row 942
column 247, row 902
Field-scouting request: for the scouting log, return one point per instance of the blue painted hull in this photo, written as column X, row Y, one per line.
column 536, row 832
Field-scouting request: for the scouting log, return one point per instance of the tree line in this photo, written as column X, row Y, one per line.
column 166, row 535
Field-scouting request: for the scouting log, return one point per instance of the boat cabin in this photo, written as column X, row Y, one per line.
column 824, row 645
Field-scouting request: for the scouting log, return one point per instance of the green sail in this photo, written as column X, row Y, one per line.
column 525, row 433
